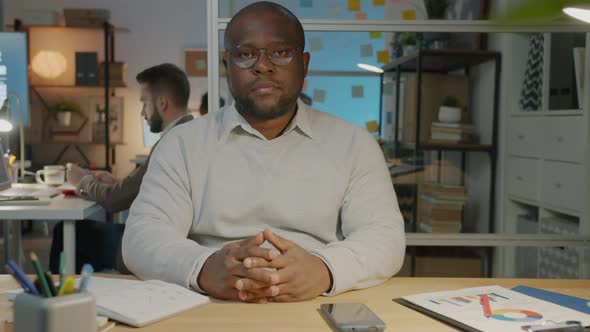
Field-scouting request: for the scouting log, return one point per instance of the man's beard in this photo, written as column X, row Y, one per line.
column 248, row 106
column 155, row 122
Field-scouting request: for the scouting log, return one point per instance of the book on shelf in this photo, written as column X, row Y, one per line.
column 440, row 212
column 447, row 125
column 444, row 192
column 440, row 215
column 457, row 204
column 434, row 187
column 450, row 227
column 452, row 132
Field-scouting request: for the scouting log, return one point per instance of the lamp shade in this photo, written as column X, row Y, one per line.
column 5, row 126
column 580, row 13
column 49, row 64
column 371, row 68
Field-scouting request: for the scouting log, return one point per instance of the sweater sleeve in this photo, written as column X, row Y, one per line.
column 155, row 243
column 113, row 197
column 371, row 223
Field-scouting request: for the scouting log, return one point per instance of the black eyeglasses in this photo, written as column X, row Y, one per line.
column 246, row 56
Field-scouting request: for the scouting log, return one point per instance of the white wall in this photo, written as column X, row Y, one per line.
column 159, row 30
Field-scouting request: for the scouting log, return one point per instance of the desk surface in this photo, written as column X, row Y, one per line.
column 60, row 208
column 304, row 316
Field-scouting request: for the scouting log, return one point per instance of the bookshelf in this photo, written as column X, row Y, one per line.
column 45, row 91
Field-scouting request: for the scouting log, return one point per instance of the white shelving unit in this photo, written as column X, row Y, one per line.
column 508, row 207
column 547, row 182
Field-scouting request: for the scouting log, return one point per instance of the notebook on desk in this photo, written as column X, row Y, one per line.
column 139, row 303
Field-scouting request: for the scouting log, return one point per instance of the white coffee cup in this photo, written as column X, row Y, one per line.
column 54, row 175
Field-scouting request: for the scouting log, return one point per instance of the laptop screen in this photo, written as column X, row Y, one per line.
column 4, row 178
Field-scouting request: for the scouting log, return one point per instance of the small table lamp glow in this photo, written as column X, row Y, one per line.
column 6, row 126
column 580, row 12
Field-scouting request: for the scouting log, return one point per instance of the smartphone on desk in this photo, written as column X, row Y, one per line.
column 352, row 317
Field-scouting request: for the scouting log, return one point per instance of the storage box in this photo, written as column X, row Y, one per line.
column 434, row 88
column 444, row 267
column 70, row 313
column 117, row 73
column 86, row 18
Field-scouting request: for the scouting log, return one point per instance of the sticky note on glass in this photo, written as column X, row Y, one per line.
column 378, row 2
column 305, row 3
column 383, row 56
column 409, row 14
column 360, row 16
column 335, row 10
column 315, row 44
column 200, row 64
column 372, row 126
column 319, row 95
column 375, row 34
column 354, row 5
column 357, row 91
column 366, row 50
column 388, row 89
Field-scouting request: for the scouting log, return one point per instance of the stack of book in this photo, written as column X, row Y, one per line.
column 440, row 208
column 452, row 133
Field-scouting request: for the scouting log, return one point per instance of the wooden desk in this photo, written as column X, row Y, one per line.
column 304, row 316
column 68, row 209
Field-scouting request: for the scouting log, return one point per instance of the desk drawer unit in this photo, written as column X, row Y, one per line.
column 562, row 138
column 562, row 185
column 523, row 177
column 524, row 136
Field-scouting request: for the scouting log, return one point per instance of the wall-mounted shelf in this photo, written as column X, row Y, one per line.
column 30, row 27
column 450, row 146
column 49, row 86
column 440, row 61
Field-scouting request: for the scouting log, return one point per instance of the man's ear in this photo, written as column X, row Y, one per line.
column 163, row 104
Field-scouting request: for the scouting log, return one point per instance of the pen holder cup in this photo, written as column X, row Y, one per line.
column 70, row 313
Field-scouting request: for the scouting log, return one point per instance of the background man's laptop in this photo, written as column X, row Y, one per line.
column 33, row 190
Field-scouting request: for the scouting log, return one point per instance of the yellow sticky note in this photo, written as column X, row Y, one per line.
column 383, row 56
column 378, row 2
column 375, row 34
column 201, row 65
column 372, row 126
column 354, row 5
column 409, row 14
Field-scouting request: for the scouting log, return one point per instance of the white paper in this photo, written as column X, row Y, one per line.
column 510, row 310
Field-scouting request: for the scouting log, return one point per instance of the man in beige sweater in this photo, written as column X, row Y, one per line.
column 267, row 200
column 164, row 95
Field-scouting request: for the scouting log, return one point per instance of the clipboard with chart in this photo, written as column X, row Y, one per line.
column 510, row 310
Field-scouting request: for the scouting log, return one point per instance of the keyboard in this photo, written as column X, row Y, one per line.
column 34, row 192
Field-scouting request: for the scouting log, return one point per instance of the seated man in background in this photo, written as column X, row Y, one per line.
column 268, row 200
column 203, row 109
column 165, row 92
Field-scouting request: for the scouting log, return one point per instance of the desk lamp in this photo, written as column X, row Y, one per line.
column 6, row 126
column 580, row 12
column 545, row 11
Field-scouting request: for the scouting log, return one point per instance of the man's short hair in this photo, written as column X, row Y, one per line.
column 205, row 103
column 169, row 79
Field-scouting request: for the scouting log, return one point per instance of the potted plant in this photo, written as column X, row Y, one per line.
column 62, row 112
column 449, row 111
column 408, row 42
column 436, row 10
